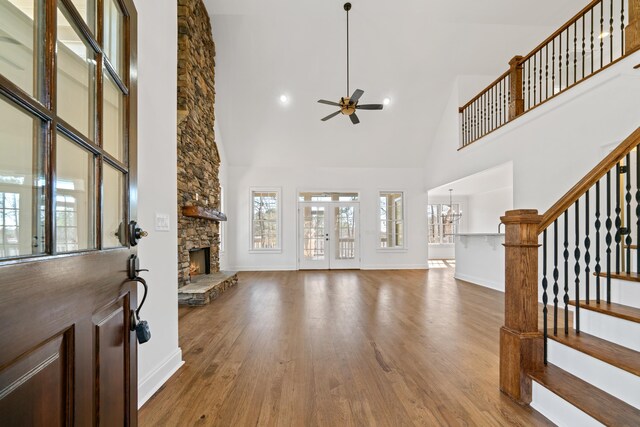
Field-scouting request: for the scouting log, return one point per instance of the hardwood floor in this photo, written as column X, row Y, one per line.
column 341, row 348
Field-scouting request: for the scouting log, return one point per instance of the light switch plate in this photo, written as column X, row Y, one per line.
column 163, row 222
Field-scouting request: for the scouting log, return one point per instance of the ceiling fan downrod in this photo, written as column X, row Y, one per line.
column 347, row 7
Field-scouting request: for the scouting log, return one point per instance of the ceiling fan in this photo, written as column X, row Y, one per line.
column 349, row 105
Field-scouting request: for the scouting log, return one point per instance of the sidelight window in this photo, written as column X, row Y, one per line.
column 265, row 220
column 391, row 212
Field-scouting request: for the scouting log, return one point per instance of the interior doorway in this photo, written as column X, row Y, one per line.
column 328, row 231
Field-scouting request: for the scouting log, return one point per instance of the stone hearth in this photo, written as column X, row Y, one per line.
column 205, row 288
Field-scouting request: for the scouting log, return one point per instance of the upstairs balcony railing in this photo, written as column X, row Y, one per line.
column 601, row 34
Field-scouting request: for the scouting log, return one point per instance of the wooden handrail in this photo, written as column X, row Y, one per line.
column 590, row 180
column 561, row 29
column 483, row 91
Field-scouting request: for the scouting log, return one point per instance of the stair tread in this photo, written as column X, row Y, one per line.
column 602, row 406
column 620, row 311
column 629, row 277
column 611, row 353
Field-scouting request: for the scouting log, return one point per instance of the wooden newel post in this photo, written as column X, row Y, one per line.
column 521, row 343
column 516, row 106
column 632, row 31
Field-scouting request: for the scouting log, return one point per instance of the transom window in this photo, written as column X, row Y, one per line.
column 328, row 197
column 391, row 219
column 265, row 220
column 442, row 224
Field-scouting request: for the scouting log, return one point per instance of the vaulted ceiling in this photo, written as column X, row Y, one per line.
column 410, row 51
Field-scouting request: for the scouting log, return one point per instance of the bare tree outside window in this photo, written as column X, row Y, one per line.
column 265, row 233
column 391, row 220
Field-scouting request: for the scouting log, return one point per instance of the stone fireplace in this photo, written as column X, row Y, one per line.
column 198, row 158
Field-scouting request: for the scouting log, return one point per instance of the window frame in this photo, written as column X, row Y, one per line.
column 278, row 192
column 404, row 247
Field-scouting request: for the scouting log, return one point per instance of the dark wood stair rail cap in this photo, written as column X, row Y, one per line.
column 521, row 343
column 589, row 180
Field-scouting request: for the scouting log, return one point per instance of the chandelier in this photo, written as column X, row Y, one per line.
column 451, row 217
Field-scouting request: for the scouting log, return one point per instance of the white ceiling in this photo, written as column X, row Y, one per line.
column 410, row 51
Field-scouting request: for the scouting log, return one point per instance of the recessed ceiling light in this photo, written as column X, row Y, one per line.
column 386, row 101
column 604, row 35
column 284, row 99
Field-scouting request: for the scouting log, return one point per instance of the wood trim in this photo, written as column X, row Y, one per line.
column 590, row 180
column 203, row 213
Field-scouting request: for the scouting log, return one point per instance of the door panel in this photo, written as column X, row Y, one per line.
column 345, row 236
column 35, row 386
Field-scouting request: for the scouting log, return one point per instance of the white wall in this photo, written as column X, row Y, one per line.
column 551, row 147
column 485, row 209
column 157, row 187
column 367, row 181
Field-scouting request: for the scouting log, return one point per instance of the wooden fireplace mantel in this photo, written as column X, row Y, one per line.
column 203, row 213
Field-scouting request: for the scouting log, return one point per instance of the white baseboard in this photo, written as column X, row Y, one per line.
column 156, row 378
column 480, row 281
column 264, row 268
column 395, row 267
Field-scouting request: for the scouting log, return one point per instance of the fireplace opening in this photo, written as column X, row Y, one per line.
column 199, row 262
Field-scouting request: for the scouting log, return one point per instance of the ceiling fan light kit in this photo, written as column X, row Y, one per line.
column 349, row 104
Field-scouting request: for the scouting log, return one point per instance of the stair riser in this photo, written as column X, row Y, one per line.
column 558, row 410
column 616, row 330
column 610, row 379
column 622, row 292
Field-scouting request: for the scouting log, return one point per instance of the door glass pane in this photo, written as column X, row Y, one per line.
column 21, row 43
column 314, row 233
column 112, row 206
column 75, row 201
column 345, row 232
column 113, row 34
column 113, row 118
column 22, row 181
column 86, row 9
column 76, row 77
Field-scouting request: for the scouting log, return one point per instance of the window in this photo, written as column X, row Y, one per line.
column 66, row 223
column 265, row 220
column 328, row 197
column 391, row 220
column 442, row 225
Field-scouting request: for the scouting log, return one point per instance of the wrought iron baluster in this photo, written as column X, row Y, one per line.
column 546, row 72
column 587, row 246
column 637, row 208
column 575, row 51
column 528, row 84
column 567, row 60
column 618, row 220
column 583, row 44
column 601, row 34
column 576, row 267
column 535, row 74
column 622, row 29
column 560, row 62
column 592, row 40
column 608, row 237
column 565, row 253
column 611, row 35
column 627, row 225
column 598, row 268
column 545, row 299
column 556, row 276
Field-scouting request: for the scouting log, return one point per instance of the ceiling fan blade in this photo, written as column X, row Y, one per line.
column 356, row 96
column 322, row 101
column 370, row 107
column 354, row 119
column 331, row 116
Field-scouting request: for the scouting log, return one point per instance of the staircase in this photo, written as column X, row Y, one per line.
column 578, row 362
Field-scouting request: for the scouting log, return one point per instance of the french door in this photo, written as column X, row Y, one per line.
column 68, row 355
column 329, row 236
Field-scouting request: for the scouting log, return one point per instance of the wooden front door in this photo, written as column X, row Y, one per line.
column 67, row 196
